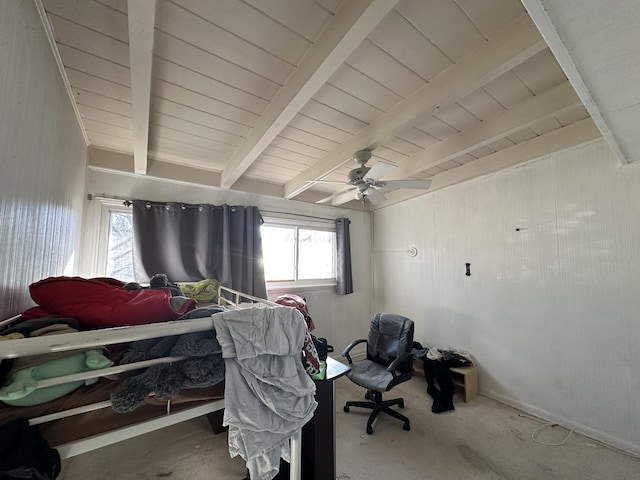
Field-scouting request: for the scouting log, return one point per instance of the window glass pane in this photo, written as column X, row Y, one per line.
column 120, row 249
column 278, row 250
column 315, row 255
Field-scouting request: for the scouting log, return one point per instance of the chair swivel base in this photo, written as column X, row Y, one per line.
column 378, row 405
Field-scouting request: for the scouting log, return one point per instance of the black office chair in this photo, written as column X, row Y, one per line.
column 388, row 363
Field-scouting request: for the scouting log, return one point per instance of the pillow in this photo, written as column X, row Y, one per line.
column 21, row 390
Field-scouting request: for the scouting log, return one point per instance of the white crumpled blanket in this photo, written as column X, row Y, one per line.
column 268, row 394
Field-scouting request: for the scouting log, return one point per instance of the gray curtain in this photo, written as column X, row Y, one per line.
column 344, row 278
column 193, row 242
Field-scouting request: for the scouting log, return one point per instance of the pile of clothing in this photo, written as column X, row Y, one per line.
column 437, row 362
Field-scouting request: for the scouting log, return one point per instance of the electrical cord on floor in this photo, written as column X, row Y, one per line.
column 551, row 424
column 543, row 426
column 533, row 437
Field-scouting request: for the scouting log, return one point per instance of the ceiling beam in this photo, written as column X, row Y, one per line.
column 540, row 16
column 551, row 102
column 142, row 18
column 345, row 32
column 509, row 48
column 48, row 29
column 566, row 137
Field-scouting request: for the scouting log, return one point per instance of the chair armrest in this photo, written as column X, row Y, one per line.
column 345, row 352
column 393, row 365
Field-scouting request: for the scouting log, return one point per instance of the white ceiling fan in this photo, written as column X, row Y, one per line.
column 366, row 181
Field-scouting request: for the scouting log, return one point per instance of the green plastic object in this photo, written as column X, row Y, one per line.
column 22, row 389
column 323, row 371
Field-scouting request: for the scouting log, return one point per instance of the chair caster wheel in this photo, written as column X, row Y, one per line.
column 406, row 426
column 346, row 409
column 401, row 404
column 369, row 430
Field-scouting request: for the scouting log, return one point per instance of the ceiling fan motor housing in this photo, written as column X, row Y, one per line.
column 357, row 175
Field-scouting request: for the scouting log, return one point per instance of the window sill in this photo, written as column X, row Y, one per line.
column 280, row 288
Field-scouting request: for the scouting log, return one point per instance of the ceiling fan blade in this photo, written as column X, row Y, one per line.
column 332, row 182
column 378, row 171
column 334, row 195
column 374, row 196
column 419, row 184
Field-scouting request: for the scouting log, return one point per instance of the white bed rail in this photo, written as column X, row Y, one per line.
column 102, row 440
column 9, row 321
column 104, row 372
column 65, row 342
column 238, row 298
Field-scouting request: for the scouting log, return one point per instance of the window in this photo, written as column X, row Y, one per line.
column 108, row 243
column 301, row 254
column 278, row 245
column 120, row 246
column 295, row 251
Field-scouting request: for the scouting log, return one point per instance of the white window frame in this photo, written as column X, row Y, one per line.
column 96, row 234
column 96, row 241
column 299, row 223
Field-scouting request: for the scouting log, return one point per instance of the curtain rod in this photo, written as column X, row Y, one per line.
column 94, row 196
column 128, row 202
column 267, row 212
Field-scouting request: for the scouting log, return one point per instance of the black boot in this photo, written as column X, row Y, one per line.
column 444, row 401
column 429, row 376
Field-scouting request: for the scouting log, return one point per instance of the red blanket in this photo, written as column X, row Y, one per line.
column 102, row 302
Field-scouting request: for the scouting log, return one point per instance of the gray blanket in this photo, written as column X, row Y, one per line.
column 203, row 368
column 268, row 394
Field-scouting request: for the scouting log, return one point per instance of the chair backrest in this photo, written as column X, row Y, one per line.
column 390, row 336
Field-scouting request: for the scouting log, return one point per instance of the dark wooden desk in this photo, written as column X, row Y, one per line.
column 319, row 434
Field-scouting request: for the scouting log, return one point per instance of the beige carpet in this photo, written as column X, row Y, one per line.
column 482, row 440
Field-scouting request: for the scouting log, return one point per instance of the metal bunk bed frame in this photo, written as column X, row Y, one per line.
column 107, row 336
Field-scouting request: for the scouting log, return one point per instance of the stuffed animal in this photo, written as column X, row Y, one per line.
column 160, row 280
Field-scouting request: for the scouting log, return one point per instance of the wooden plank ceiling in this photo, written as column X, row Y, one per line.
column 264, row 96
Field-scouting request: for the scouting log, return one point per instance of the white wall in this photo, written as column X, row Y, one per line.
column 551, row 309
column 340, row 319
column 42, row 161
